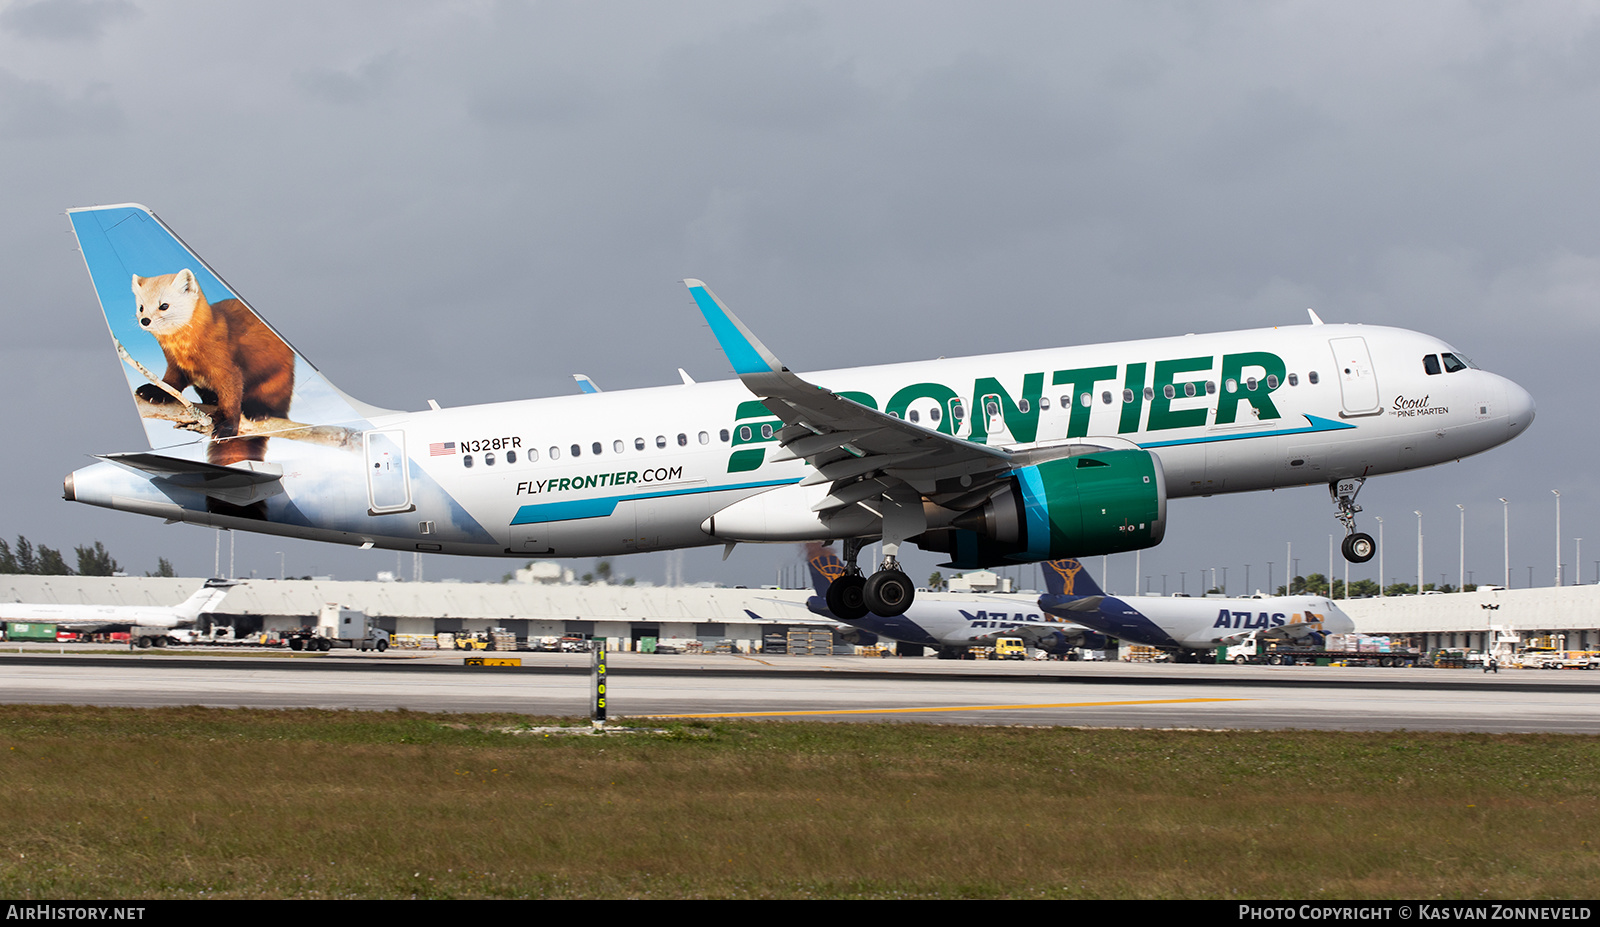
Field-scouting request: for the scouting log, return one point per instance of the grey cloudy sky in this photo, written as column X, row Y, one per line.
column 470, row 201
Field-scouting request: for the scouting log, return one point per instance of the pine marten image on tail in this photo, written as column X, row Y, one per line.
column 234, row 361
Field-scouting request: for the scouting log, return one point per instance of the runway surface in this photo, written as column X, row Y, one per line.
column 829, row 688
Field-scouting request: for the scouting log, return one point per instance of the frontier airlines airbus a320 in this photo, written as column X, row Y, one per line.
column 1006, row 458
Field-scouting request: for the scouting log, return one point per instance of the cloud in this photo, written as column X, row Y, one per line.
column 34, row 110
column 352, row 86
column 66, row 20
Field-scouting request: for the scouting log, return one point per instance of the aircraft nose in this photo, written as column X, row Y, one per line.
column 1521, row 409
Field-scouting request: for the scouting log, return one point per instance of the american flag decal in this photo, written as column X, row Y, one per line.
column 441, row 449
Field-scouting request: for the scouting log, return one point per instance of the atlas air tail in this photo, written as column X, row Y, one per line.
column 950, row 622
column 993, row 460
column 1182, row 625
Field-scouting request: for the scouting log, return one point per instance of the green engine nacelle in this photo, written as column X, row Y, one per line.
column 1103, row 502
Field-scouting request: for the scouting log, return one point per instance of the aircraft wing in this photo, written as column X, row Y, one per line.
column 838, row 436
column 1294, row 631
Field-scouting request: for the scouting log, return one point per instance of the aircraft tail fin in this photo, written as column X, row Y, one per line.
column 206, row 599
column 1068, row 577
column 201, row 364
column 825, row 567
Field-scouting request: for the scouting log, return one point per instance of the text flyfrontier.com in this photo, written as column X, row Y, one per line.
column 1418, row 912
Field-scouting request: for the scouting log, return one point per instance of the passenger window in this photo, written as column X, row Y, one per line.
column 1188, row 390
column 1231, row 385
column 511, row 457
column 912, row 414
column 617, row 446
column 1044, row 403
column 577, row 450
column 1211, row 387
column 1294, row 379
column 956, row 410
column 1312, row 378
column 723, row 434
column 1105, row 397
column 638, row 444
column 661, row 441
column 466, row 461
column 1023, row 406
column 1451, row 364
column 1430, row 364
column 1272, row 381
column 555, row 453
column 933, row 414
column 1127, row 395
column 1250, row 384
column 1066, row 402
column 705, row 438
column 1085, row 400
column 766, row 432
column 488, row 459
column 991, row 409
column 1169, row 392
column 683, row 439
column 595, row 448
column 1150, row 393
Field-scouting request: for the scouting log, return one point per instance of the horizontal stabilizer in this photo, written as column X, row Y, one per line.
column 242, row 483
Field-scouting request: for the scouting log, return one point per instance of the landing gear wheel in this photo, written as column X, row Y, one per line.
column 889, row 593
column 1358, row 548
column 845, row 597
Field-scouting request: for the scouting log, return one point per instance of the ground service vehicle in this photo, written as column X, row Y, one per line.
column 1256, row 649
column 340, row 627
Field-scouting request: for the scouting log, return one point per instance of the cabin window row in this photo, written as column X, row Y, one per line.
column 597, row 448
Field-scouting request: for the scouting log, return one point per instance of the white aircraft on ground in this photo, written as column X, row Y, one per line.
column 996, row 459
column 93, row 617
column 952, row 623
column 1183, row 626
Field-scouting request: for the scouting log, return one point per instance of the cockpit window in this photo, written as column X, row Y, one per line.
column 1452, row 363
column 1430, row 364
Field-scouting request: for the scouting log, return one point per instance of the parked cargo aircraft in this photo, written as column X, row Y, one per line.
column 94, row 617
column 952, row 623
column 1185, row 626
column 996, row 459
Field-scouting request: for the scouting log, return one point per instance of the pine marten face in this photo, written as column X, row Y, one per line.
column 166, row 303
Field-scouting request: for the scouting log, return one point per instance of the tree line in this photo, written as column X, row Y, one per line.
column 24, row 557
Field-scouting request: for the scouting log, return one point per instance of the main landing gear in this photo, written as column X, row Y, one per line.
column 888, row 592
column 1357, row 547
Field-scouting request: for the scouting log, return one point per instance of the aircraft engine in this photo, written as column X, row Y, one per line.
column 857, row 637
column 1102, row 502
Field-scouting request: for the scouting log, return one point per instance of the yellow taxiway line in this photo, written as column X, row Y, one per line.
column 896, row 711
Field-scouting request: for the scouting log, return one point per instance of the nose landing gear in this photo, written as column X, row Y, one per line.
column 1358, row 547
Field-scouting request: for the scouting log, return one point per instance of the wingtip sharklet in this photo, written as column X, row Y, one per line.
column 743, row 349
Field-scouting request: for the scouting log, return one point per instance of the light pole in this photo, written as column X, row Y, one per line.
column 1461, row 568
column 1419, row 551
column 1506, row 507
column 1380, row 557
column 1558, row 535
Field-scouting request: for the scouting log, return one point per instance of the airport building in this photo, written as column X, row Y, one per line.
column 1566, row 617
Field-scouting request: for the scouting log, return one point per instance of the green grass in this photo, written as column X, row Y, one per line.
column 131, row 803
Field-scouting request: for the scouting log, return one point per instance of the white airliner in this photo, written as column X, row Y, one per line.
column 91, row 617
column 1183, row 626
column 997, row 459
column 952, row 623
